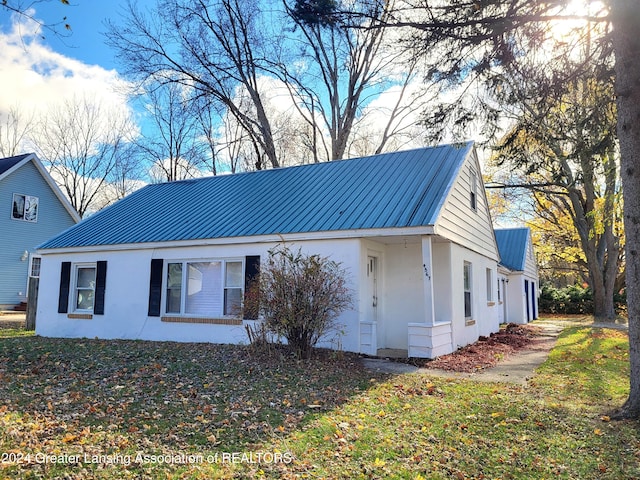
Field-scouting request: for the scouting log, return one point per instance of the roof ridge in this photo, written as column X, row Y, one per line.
column 457, row 145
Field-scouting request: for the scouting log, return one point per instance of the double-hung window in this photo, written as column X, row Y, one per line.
column 206, row 288
column 468, row 282
column 84, row 287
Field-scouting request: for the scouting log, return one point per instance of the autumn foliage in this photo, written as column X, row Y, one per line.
column 300, row 297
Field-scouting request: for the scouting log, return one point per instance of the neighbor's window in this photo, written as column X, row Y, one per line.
column 489, row 285
column 34, row 270
column 467, row 290
column 205, row 288
column 24, row 207
column 84, row 287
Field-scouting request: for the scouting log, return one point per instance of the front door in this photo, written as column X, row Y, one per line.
column 526, row 299
column 372, row 289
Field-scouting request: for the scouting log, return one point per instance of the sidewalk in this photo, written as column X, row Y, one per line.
column 11, row 319
column 517, row 368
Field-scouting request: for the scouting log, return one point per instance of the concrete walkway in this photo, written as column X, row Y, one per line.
column 11, row 319
column 516, row 368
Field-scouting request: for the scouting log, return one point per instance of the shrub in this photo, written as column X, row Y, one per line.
column 300, row 297
column 573, row 299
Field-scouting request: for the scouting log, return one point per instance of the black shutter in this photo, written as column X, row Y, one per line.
column 101, row 283
column 251, row 273
column 155, row 287
column 65, row 279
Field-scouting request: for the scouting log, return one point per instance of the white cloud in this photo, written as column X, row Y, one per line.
column 33, row 76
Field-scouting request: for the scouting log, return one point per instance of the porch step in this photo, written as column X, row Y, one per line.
column 21, row 308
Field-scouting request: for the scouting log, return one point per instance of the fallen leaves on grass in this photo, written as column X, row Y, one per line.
column 95, row 397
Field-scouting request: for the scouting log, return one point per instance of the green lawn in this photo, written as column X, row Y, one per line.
column 122, row 409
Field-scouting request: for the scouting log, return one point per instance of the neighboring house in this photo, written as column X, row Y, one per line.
column 34, row 209
column 171, row 261
column 518, row 283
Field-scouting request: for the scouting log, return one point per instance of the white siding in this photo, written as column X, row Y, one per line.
column 127, row 295
column 485, row 319
column 404, row 294
column 530, row 265
column 461, row 223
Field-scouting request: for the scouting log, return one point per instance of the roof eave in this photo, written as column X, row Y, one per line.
column 270, row 238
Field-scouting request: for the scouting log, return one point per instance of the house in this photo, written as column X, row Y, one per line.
column 171, row 261
column 34, row 210
column 518, row 284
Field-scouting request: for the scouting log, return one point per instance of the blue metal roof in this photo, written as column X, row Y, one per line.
column 400, row 189
column 512, row 246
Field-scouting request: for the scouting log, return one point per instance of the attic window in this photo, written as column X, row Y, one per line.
column 473, row 182
column 24, row 207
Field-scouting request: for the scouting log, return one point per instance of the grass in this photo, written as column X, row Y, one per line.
column 123, row 409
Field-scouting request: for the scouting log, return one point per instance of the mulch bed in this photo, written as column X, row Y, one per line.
column 487, row 351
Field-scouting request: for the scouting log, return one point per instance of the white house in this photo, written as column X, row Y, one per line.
column 517, row 276
column 171, row 261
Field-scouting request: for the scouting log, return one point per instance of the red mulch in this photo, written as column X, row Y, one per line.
column 487, row 351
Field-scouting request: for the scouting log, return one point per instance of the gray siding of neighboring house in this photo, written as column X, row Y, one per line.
column 18, row 236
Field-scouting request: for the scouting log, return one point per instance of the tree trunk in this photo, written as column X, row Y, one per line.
column 601, row 275
column 626, row 42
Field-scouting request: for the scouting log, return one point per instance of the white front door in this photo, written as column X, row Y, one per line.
column 372, row 289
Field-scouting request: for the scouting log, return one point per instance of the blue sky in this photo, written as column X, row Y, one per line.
column 86, row 18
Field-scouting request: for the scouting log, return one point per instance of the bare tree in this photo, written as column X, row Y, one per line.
column 625, row 16
column 14, row 131
column 215, row 49
column 564, row 143
column 175, row 150
column 348, row 64
column 24, row 8
column 82, row 142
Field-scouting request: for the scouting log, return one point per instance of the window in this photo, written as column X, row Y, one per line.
column 84, row 288
column 234, row 279
column 473, row 183
column 204, row 288
column 34, row 269
column 24, row 207
column 489, row 285
column 467, row 290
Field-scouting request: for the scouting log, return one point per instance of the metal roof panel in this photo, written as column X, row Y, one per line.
column 512, row 245
column 400, row 189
